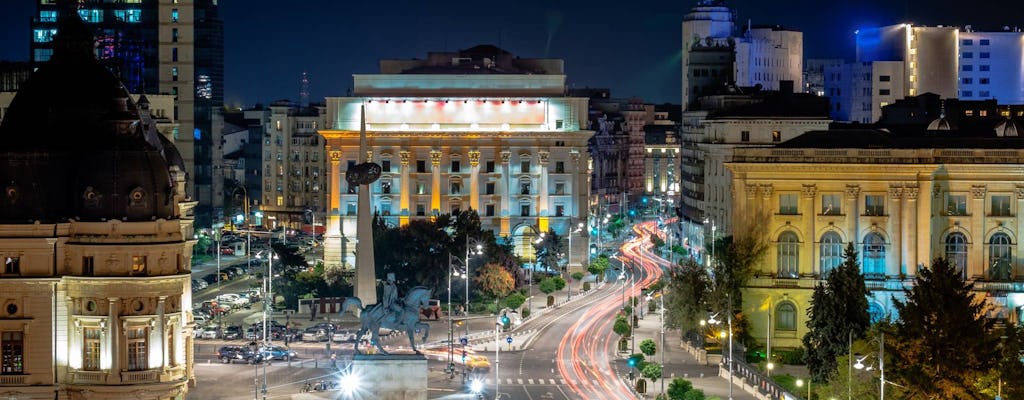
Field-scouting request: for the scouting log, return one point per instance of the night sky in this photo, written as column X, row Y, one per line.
column 629, row 46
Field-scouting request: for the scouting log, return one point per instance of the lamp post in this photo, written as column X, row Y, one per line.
column 881, row 365
column 662, row 377
column 450, row 368
column 268, row 299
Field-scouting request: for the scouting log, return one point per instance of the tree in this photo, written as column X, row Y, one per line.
column 599, row 265
column 549, row 249
column 559, row 282
column 651, row 371
column 648, row 347
column 943, row 341
column 494, row 281
column 1009, row 371
column 547, row 286
column 686, row 300
column 621, row 326
column 839, row 308
column 515, row 300
column 678, row 388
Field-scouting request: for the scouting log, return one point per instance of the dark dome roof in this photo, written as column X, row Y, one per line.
column 72, row 144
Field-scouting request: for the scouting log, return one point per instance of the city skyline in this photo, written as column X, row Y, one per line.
column 633, row 51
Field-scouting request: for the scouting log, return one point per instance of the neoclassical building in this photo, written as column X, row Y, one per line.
column 474, row 129
column 903, row 196
column 95, row 297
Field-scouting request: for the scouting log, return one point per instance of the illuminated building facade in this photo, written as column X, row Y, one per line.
column 294, row 167
column 171, row 47
column 903, row 195
column 95, row 288
column 475, row 129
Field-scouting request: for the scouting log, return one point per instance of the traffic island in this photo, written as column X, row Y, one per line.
column 390, row 377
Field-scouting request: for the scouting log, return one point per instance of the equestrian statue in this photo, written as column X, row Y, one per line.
column 391, row 314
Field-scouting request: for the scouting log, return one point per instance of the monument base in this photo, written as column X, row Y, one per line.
column 391, row 377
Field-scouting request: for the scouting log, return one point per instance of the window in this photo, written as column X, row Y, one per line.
column 131, row 16
column 956, row 251
column 12, row 265
column 91, row 348
column 421, row 166
column 969, row 113
column 984, row 54
column 385, row 208
column 92, row 16
column 956, row 204
column 385, row 165
column 174, row 54
column 1000, row 263
column 874, row 255
column 983, row 81
column 174, row 15
column 788, row 204
column 174, row 74
column 12, row 346
column 42, row 55
column 559, row 167
column 421, row 188
column 43, row 35
column 984, row 42
column 456, row 186
column 776, row 136
column 831, row 204
column 174, row 35
column 524, row 166
column 489, row 167
column 967, row 54
column 524, row 209
column 967, row 68
column 874, row 205
column 1000, row 206
column 744, row 136
column 789, row 255
column 524, row 187
column 967, row 81
column 966, row 42
column 785, row 317
column 983, row 93
column 489, row 188
column 966, row 93
column 385, row 186
column 883, row 92
column 456, row 166
column 88, row 268
column 884, row 78
column 48, row 16
column 420, row 210
column 559, row 210
column 136, row 341
column 983, row 68
column 138, row 265
column 831, row 252
column 489, row 210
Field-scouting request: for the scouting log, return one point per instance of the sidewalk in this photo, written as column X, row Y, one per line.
column 681, row 364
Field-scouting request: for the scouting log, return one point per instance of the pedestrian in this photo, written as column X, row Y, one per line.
column 334, row 359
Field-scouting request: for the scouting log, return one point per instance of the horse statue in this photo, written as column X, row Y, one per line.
column 377, row 316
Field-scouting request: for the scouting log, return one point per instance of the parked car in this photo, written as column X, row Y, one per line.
column 233, row 332
column 314, row 334
column 343, row 336
column 276, row 353
column 227, row 251
column 211, row 333
column 233, row 354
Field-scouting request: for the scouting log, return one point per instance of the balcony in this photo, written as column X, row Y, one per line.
column 81, row 376
column 139, row 376
column 6, row 380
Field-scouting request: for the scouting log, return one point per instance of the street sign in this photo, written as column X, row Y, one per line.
column 509, row 340
column 464, row 341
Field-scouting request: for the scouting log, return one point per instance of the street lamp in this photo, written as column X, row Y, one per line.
column 712, row 321
column 268, row 300
column 881, row 365
column 800, row 383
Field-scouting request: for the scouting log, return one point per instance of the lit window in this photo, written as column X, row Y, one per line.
column 130, row 15
column 788, row 255
column 788, row 204
column 138, row 265
column 48, row 16
column 12, row 265
column 42, row 55
column 12, row 346
column 831, row 252
column 956, row 204
column 137, row 341
column 91, row 349
column 874, row 205
column 956, row 251
column 785, row 317
column 1000, row 206
column 874, row 255
column 93, row 16
column 831, row 204
column 43, row 35
column 174, row 15
column 174, row 73
column 776, row 136
column 1000, row 267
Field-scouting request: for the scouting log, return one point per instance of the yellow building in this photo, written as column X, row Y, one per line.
column 95, row 296
column 475, row 129
column 902, row 198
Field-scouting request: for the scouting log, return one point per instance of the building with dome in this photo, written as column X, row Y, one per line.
column 934, row 178
column 95, row 297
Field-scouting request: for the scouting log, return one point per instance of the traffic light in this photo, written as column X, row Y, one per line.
column 632, row 362
column 504, row 318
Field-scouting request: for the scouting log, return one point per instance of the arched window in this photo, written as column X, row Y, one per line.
column 874, row 254
column 831, row 252
column 876, row 312
column 956, row 251
column 1000, row 262
column 785, row 317
column 789, row 255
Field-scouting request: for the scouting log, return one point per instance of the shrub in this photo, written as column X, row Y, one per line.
column 559, row 282
column 515, row 300
column 793, row 357
column 525, row 313
column 586, row 286
column 648, row 347
column 621, row 326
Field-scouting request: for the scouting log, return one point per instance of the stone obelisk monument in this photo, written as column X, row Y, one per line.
column 366, row 274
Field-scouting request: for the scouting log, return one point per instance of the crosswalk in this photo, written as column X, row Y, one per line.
column 533, row 381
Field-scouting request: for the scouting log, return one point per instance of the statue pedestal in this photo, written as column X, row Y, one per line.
column 391, row 377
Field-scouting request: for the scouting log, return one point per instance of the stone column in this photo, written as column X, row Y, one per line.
column 808, row 200
column 924, row 225
column 543, row 208
column 895, row 250
column 853, row 210
column 404, row 189
column 160, row 333
column 910, row 217
column 474, row 180
column 976, row 248
column 332, row 243
column 435, row 181
column 114, row 342
column 506, row 212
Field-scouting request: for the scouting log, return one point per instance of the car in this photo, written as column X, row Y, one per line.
column 211, row 333
column 233, row 332
column 233, row 354
column 276, row 353
column 343, row 336
column 432, row 309
column 314, row 334
column 227, row 251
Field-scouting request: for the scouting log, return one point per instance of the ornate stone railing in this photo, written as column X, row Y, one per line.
column 138, row 376
column 13, row 379
column 90, row 376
